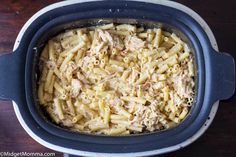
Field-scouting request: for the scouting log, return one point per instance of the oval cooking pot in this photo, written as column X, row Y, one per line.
column 215, row 73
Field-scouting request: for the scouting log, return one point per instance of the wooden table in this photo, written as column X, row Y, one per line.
column 218, row 141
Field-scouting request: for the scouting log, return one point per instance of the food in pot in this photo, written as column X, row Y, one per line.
column 116, row 79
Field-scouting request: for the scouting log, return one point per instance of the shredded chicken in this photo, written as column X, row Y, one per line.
column 118, row 43
column 182, row 85
column 99, row 47
column 133, row 43
column 113, row 41
column 67, row 121
column 76, row 86
column 147, row 116
column 69, row 69
column 105, row 36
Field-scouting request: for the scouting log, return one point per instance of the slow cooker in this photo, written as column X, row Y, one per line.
column 215, row 78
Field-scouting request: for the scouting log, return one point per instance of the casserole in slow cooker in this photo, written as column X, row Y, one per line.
column 116, row 79
column 214, row 79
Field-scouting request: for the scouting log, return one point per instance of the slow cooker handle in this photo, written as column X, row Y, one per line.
column 223, row 75
column 12, row 75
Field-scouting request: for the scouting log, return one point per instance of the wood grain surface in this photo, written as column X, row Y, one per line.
column 218, row 141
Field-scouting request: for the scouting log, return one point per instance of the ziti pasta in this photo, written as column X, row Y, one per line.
column 116, row 79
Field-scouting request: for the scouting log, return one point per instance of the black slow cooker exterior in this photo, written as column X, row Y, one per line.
column 215, row 73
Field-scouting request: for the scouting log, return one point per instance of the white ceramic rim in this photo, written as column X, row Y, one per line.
column 136, row 154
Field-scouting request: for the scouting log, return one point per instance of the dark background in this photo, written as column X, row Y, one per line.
column 218, row 141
